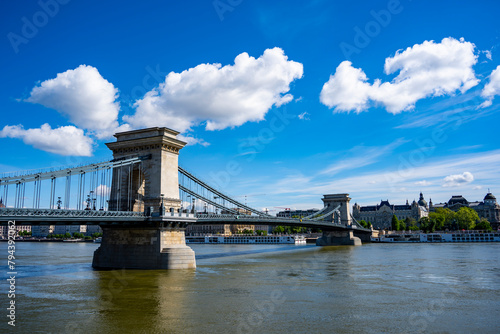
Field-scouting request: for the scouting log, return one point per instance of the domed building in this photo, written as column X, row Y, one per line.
column 381, row 215
column 488, row 208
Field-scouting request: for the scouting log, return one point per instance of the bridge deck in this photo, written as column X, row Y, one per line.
column 91, row 217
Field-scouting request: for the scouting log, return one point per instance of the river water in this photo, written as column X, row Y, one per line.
column 375, row 288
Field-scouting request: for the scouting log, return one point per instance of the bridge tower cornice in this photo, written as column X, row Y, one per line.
column 146, row 140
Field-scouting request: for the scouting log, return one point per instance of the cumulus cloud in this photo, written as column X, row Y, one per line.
column 84, row 97
column 65, row 140
column 492, row 88
column 425, row 70
column 102, row 190
column 222, row 97
column 458, row 179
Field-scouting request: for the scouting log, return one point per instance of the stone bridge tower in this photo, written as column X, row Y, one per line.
column 335, row 200
column 144, row 186
column 339, row 237
column 157, row 242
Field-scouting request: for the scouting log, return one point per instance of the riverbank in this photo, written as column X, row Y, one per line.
column 48, row 240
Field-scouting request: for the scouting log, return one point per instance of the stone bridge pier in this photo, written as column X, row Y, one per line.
column 158, row 246
column 153, row 187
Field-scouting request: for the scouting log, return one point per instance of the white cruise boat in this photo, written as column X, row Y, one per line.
column 247, row 239
column 454, row 236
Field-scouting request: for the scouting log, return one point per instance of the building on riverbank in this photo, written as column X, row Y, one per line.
column 4, row 230
column 488, row 208
column 380, row 215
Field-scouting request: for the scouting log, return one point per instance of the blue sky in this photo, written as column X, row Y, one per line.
column 281, row 101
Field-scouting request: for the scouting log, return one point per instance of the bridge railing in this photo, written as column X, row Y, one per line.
column 23, row 212
column 244, row 217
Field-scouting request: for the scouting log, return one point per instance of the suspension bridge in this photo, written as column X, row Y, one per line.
column 143, row 201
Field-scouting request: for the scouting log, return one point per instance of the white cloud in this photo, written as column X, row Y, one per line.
column 82, row 95
column 487, row 53
column 222, row 96
column 102, row 190
column 65, row 140
column 425, row 70
column 193, row 141
column 347, row 89
column 423, row 183
column 304, row 116
column 492, row 88
column 458, row 179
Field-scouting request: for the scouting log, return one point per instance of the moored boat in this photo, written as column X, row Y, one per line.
column 455, row 236
column 247, row 239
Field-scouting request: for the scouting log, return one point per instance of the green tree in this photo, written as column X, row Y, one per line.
column 448, row 215
column 67, row 235
column 279, row 230
column 425, row 224
column 411, row 224
column 365, row 224
column 483, row 224
column 261, row 232
column 466, row 218
column 395, row 223
column 438, row 219
column 413, row 228
column 402, row 225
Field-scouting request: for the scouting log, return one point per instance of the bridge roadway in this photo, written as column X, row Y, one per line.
column 92, row 217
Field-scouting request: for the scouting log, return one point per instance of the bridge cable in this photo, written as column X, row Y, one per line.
column 213, row 190
column 316, row 213
column 326, row 214
column 21, row 197
column 358, row 224
column 129, row 187
column 192, row 193
column 34, row 193
column 5, row 194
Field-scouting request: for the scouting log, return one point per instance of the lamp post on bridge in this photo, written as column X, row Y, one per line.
column 88, row 203
column 59, row 202
column 216, row 208
column 187, row 200
column 92, row 199
column 162, row 206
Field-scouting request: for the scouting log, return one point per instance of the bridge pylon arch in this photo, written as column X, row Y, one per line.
column 145, row 186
